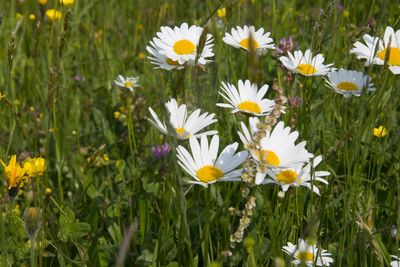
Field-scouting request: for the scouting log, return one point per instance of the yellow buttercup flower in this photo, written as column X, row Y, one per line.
column 117, row 114
column 142, row 56
column 32, row 17
column 380, row 131
column 13, row 172
column 53, row 14
column 35, row 166
column 221, row 12
column 42, row 2
column 67, row 3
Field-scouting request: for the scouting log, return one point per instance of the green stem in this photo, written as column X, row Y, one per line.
column 33, row 256
column 131, row 131
column 58, row 154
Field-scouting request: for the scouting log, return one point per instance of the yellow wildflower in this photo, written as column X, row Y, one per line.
column 142, row 55
column 221, row 12
column 117, row 114
column 32, row 17
column 106, row 157
column 380, row 131
column 53, row 14
column 139, row 26
column 35, row 166
column 67, row 3
column 13, row 172
column 42, row 2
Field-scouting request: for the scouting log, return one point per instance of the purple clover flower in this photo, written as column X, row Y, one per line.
column 159, row 151
column 285, row 45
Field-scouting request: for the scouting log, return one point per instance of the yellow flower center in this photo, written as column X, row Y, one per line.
column 245, row 43
column 182, row 132
column 184, row 47
column 250, row 107
column 306, row 69
column 287, row 177
column 394, row 55
column 209, row 173
column 305, row 256
column 269, row 157
column 347, row 86
column 172, row 62
column 128, row 84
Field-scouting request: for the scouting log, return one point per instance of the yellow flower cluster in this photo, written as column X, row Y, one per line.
column 18, row 175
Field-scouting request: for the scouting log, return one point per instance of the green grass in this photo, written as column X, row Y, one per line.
column 106, row 188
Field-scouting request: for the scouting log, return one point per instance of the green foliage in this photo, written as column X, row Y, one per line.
column 106, row 200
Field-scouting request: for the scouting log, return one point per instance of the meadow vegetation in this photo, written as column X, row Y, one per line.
column 87, row 180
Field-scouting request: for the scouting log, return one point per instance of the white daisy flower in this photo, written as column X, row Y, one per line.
column 300, row 176
column 246, row 136
column 304, row 253
column 395, row 262
column 162, row 61
column 306, row 64
column 349, row 82
column 375, row 49
column 247, row 99
column 390, row 44
column 278, row 150
column 204, row 166
column 240, row 38
column 126, row 82
column 179, row 45
column 367, row 50
column 184, row 126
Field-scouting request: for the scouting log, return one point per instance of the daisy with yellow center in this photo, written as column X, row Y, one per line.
column 305, row 64
column 13, row 172
column 277, row 149
column 53, row 14
column 240, row 38
column 377, row 50
column 247, row 98
column 349, row 82
column 298, row 176
column 126, row 82
column 203, row 164
column 308, row 254
column 380, row 132
column 162, row 61
column 179, row 46
column 183, row 126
